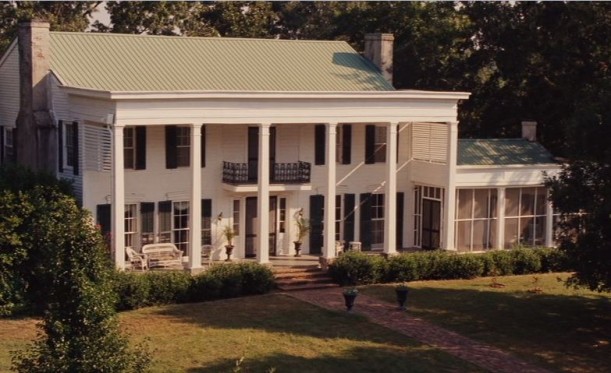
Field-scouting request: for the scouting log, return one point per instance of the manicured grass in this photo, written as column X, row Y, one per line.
column 559, row 328
column 272, row 331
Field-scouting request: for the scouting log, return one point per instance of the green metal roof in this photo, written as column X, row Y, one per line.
column 137, row 63
column 493, row 152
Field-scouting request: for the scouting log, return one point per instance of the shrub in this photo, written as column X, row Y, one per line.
column 525, row 261
column 553, row 260
column 205, row 288
column 502, row 262
column 132, row 290
column 402, row 268
column 461, row 266
column 356, row 268
column 230, row 278
column 256, row 279
column 168, row 287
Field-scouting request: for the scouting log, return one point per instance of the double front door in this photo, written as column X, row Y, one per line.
column 252, row 226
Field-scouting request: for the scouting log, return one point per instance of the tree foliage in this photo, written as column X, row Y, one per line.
column 62, row 15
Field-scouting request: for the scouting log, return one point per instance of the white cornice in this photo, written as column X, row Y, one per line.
column 245, row 95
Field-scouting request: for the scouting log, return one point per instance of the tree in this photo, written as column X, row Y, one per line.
column 62, row 15
column 67, row 263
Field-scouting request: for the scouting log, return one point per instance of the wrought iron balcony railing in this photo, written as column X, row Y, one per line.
column 280, row 173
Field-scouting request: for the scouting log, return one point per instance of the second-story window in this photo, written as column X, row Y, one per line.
column 183, row 146
column 129, row 148
column 375, row 144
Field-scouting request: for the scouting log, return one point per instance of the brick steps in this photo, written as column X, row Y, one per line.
column 302, row 278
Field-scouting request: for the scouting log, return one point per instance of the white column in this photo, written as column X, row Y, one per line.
column 195, row 217
column 263, row 194
column 500, row 221
column 449, row 211
column 390, row 191
column 118, row 197
column 330, row 191
column 549, row 223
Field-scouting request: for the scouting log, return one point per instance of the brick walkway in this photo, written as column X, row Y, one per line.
column 387, row 315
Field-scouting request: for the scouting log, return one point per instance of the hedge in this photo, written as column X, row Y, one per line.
column 357, row 268
column 137, row 290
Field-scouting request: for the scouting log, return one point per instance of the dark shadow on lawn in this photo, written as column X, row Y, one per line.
column 570, row 331
column 355, row 360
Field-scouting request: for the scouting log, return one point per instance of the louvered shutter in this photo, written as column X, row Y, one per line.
column 170, row 146
column 346, row 143
column 75, row 146
column 365, row 208
column 140, row 148
column 319, row 144
column 370, row 138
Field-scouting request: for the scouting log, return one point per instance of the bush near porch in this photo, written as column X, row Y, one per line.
column 357, row 268
column 137, row 290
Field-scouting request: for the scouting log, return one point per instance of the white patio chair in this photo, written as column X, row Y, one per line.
column 207, row 252
column 339, row 248
column 136, row 259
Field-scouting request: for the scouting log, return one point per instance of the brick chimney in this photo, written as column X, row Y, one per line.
column 529, row 131
column 36, row 143
column 379, row 50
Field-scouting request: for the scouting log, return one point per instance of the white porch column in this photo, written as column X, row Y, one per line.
column 195, row 217
column 118, row 197
column 449, row 211
column 390, row 191
column 549, row 223
column 263, row 194
column 500, row 221
column 330, row 191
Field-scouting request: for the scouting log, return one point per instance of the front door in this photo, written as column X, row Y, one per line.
column 431, row 224
column 252, row 226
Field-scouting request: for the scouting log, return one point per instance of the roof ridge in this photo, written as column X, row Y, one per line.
column 210, row 38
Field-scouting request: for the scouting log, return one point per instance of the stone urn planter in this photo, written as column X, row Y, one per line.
column 228, row 251
column 229, row 234
column 401, row 292
column 350, row 297
column 303, row 227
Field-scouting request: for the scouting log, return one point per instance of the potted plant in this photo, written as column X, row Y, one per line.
column 229, row 234
column 401, row 291
column 349, row 297
column 303, row 227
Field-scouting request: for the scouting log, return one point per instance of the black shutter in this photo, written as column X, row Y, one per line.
column 349, row 200
column 206, row 221
column 170, row 146
column 319, row 144
column 400, row 199
column 1, row 145
column 365, row 208
column 370, row 143
column 346, row 143
column 140, row 148
column 203, row 146
column 103, row 218
column 75, row 159
column 60, row 146
column 317, row 204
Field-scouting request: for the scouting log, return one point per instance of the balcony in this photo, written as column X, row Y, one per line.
column 280, row 173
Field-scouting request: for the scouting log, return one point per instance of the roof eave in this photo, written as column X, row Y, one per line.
column 139, row 95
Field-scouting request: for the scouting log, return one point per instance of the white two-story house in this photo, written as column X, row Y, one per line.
column 171, row 139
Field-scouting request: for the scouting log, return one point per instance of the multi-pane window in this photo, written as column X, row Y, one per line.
column 131, row 224
column 428, row 204
column 377, row 219
column 69, row 144
column 147, row 223
column 476, row 219
column 165, row 221
column 183, row 146
column 380, row 145
column 338, row 218
column 525, row 216
column 417, row 216
column 180, row 226
column 129, row 148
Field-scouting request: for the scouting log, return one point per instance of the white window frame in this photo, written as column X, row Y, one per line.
column 339, row 227
column 491, row 206
column 377, row 218
column 380, row 143
column 68, row 149
column 131, row 225
column 183, row 146
column 422, row 192
column 181, row 229
column 129, row 148
column 9, row 144
column 520, row 241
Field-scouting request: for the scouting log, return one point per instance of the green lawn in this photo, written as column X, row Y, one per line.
column 272, row 331
column 558, row 328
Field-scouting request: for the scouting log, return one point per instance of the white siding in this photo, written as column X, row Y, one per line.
column 9, row 87
column 59, row 100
